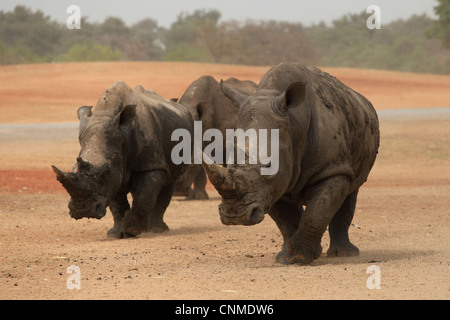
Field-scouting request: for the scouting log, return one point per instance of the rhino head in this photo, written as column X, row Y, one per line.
column 247, row 194
column 87, row 188
column 97, row 174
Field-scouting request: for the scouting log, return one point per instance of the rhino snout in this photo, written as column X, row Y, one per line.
column 92, row 209
column 250, row 215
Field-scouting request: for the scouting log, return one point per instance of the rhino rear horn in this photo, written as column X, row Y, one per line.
column 83, row 165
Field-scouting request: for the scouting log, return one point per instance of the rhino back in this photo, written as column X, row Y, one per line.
column 347, row 124
column 342, row 126
column 156, row 119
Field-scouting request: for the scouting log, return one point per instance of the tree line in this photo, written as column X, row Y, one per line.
column 405, row 45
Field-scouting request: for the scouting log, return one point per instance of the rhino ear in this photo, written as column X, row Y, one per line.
column 293, row 96
column 204, row 113
column 84, row 112
column 236, row 97
column 126, row 116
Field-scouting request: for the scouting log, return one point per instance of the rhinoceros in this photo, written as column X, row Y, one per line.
column 126, row 148
column 328, row 141
column 206, row 102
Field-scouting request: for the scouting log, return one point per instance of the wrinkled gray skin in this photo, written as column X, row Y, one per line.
column 207, row 103
column 329, row 138
column 125, row 148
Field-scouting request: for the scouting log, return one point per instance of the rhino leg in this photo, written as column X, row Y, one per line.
column 287, row 217
column 118, row 207
column 155, row 222
column 324, row 200
column 340, row 245
column 200, row 185
column 145, row 190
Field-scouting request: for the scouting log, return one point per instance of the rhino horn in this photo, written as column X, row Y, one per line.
column 69, row 182
column 83, row 165
column 60, row 175
column 219, row 176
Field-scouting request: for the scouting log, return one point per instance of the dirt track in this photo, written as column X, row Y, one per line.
column 401, row 224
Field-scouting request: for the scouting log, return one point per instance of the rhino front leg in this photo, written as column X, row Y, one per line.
column 118, row 207
column 200, row 185
column 325, row 199
column 287, row 217
column 146, row 188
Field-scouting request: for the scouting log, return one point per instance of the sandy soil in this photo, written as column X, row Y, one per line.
column 53, row 92
column 401, row 222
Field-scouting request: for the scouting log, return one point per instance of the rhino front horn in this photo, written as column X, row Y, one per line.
column 60, row 175
column 219, row 176
column 68, row 181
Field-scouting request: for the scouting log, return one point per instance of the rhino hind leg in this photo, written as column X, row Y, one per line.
column 198, row 189
column 340, row 245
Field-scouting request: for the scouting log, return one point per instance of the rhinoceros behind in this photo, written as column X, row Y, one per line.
column 126, row 147
column 328, row 141
column 207, row 103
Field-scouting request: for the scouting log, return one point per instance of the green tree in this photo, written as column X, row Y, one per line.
column 441, row 27
column 197, row 33
column 85, row 35
column 145, row 42
column 23, row 28
column 399, row 45
column 272, row 42
column 113, row 32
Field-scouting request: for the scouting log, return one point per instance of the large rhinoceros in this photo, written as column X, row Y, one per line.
column 126, row 147
column 328, row 142
column 207, row 103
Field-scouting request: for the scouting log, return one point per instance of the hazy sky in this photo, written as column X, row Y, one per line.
column 166, row 11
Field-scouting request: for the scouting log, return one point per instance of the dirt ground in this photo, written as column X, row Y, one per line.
column 401, row 223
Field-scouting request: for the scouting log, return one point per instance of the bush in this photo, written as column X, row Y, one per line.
column 92, row 52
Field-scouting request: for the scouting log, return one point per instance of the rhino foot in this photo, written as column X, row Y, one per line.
column 162, row 227
column 348, row 250
column 119, row 233
column 284, row 257
column 132, row 224
column 201, row 195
